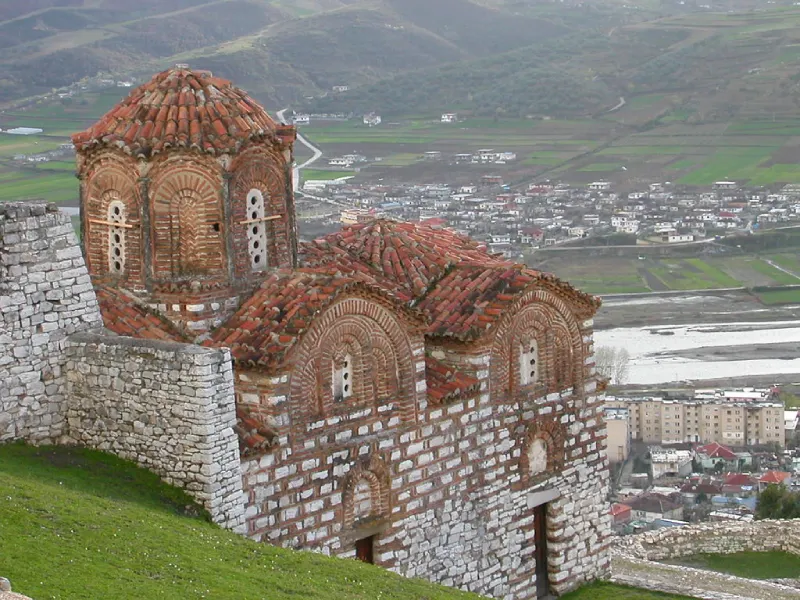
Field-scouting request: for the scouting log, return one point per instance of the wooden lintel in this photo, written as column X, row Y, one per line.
column 261, row 219
column 110, row 224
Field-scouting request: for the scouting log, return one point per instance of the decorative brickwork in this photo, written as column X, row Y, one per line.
column 402, row 386
column 178, row 153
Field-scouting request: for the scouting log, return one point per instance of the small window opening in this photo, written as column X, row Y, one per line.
column 215, row 227
column 365, row 550
column 116, row 237
column 343, row 379
column 256, row 232
column 528, row 362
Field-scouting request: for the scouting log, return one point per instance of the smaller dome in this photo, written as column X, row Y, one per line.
column 181, row 108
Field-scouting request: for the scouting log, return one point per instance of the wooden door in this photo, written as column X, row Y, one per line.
column 540, row 539
column 364, row 550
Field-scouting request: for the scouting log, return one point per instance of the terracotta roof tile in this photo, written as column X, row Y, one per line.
column 461, row 288
column 715, row 450
column 183, row 108
column 446, row 383
column 255, row 436
column 268, row 325
column 412, row 255
column 123, row 315
column 774, row 477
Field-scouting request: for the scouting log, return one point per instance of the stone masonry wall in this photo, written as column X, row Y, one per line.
column 169, row 407
column 45, row 296
column 712, row 538
column 451, row 498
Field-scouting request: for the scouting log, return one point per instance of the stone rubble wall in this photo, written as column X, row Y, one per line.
column 634, row 559
column 45, row 296
column 712, row 538
column 169, row 407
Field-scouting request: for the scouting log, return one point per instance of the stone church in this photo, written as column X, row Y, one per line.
column 402, row 396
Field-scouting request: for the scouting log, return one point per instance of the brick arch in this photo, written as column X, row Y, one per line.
column 385, row 367
column 266, row 171
column 375, row 472
column 553, row 434
column 110, row 177
column 552, row 319
column 361, row 317
column 187, row 218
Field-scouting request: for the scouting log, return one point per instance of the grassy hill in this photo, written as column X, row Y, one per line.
column 82, row 524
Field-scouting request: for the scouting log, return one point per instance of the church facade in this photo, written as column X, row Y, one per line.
column 402, row 396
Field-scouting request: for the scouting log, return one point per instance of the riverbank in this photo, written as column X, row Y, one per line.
column 653, row 310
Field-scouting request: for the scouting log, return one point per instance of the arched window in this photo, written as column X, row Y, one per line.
column 362, row 500
column 537, row 457
column 528, row 362
column 343, row 378
column 116, row 237
column 256, row 230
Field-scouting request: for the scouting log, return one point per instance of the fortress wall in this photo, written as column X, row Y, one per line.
column 169, row 407
column 45, row 296
column 712, row 538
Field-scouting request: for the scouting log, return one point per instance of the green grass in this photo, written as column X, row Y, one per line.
column 729, row 163
column 51, row 186
column 309, row 174
column 752, row 565
column 87, row 525
column 600, row 167
column 610, row 591
column 778, row 276
column 712, row 273
column 775, row 297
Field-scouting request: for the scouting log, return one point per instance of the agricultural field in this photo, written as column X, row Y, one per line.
column 620, row 275
column 317, row 174
column 52, row 181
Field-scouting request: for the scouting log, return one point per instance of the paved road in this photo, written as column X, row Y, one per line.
column 316, row 153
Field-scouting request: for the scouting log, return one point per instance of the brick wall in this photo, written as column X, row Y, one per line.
column 169, row 407
column 45, row 295
column 450, row 497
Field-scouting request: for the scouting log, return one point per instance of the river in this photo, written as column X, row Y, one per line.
column 677, row 353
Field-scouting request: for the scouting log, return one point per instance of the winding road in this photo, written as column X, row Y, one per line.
column 316, row 153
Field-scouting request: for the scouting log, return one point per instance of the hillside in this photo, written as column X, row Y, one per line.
column 82, row 524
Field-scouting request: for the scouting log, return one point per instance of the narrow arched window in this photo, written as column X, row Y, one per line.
column 116, row 237
column 537, row 457
column 528, row 362
column 362, row 500
column 256, row 230
column 343, row 378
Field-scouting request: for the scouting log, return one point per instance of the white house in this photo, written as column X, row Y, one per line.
column 372, row 119
column 600, row 186
column 449, row 117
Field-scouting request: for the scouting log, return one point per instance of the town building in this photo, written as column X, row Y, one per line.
column 399, row 394
column 735, row 417
column 619, row 434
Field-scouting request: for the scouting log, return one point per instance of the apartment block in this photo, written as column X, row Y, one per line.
column 743, row 417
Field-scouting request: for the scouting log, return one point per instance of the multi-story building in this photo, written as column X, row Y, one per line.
column 619, row 434
column 732, row 417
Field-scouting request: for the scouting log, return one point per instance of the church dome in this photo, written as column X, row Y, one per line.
column 181, row 108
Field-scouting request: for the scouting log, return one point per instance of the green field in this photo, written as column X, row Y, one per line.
column 620, row 275
column 610, row 591
column 315, row 174
column 752, row 565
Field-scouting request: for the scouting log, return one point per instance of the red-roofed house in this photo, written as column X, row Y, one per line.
column 620, row 513
column 715, row 456
column 382, row 374
column 774, row 478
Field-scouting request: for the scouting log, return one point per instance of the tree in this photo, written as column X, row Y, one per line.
column 776, row 502
column 612, row 363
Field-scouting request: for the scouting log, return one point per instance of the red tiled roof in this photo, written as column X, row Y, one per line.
column 740, row 479
column 447, row 383
column 618, row 509
column 254, row 435
column 186, row 109
column 123, row 315
column 774, row 477
column 275, row 317
column 461, row 288
column 412, row 255
column 716, row 450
